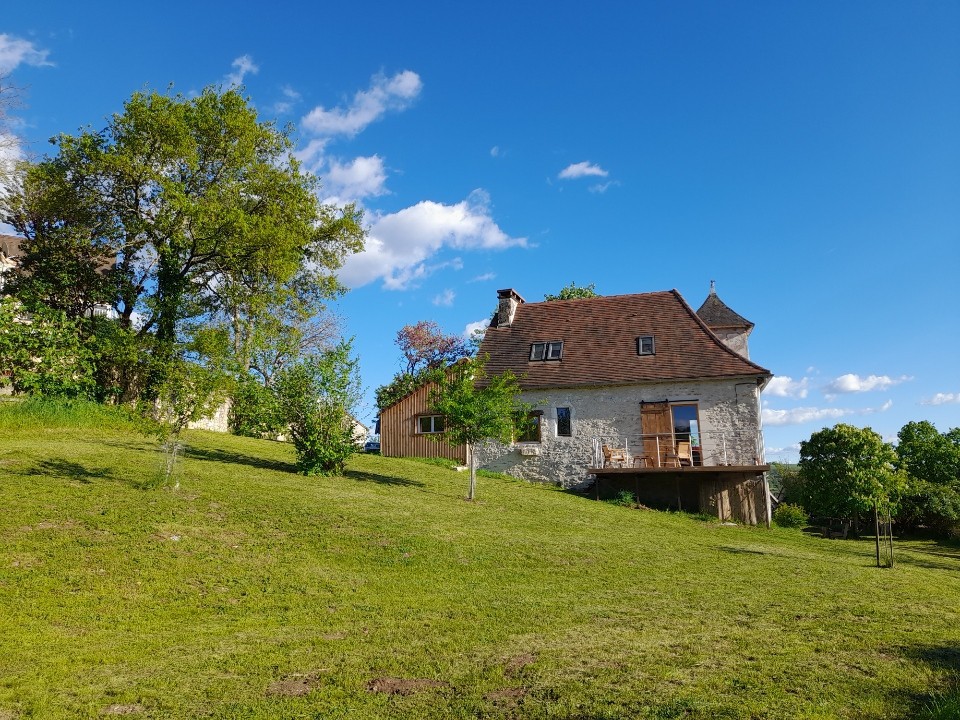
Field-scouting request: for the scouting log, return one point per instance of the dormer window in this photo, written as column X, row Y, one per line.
column 546, row 350
column 645, row 345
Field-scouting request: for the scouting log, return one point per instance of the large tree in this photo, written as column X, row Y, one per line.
column 932, row 461
column 205, row 211
column 425, row 346
column 846, row 470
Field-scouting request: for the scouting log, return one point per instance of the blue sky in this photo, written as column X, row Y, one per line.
column 806, row 156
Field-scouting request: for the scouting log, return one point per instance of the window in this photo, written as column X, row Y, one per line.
column 564, row 425
column 427, row 424
column 528, row 427
column 686, row 429
column 645, row 345
column 546, row 350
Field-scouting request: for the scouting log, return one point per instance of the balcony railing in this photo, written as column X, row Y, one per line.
column 664, row 450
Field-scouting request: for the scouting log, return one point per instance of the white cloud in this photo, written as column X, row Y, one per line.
column 393, row 93
column 474, row 327
column 313, row 156
column 942, row 399
column 582, row 169
column 399, row 244
column 852, row 383
column 445, row 298
column 794, row 448
column 801, row 415
column 359, row 178
column 785, row 386
column 495, row 151
column 483, row 278
column 15, row 51
column 290, row 98
column 603, row 187
column 242, row 67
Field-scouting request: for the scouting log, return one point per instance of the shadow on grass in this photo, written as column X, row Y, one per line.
column 62, row 468
column 942, row 702
column 380, row 479
column 225, row 456
column 741, row 551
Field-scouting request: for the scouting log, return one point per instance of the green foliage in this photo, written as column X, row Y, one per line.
column 255, row 410
column 475, row 406
column 932, row 461
column 846, row 470
column 572, row 292
column 317, row 397
column 790, row 516
column 784, row 480
column 121, row 359
column 43, row 353
column 402, row 384
column 624, row 498
column 206, row 217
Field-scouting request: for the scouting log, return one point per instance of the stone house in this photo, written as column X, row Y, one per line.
column 635, row 392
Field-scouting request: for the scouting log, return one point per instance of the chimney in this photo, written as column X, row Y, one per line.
column 509, row 300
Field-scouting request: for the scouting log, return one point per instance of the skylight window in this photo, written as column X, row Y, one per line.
column 546, row 350
column 645, row 345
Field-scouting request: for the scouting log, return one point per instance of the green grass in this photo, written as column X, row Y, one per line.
column 249, row 585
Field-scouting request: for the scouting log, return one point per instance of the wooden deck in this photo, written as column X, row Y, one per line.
column 684, row 469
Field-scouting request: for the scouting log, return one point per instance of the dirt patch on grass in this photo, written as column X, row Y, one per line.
column 132, row 709
column 506, row 697
column 403, row 686
column 515, row 665
column 295, row 685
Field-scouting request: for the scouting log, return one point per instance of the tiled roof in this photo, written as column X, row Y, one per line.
column 715, row 313
column 600, row 343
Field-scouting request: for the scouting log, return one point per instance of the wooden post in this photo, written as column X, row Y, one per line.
column 876, row 531
column 890, row 535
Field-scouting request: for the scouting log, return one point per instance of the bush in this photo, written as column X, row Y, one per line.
column 43, row 353
column 317, row 396
column 790, row 516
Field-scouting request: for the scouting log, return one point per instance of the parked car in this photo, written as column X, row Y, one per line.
column 371, row 446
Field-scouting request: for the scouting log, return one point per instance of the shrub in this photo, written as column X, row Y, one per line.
column 317, row 396
column 43, row 352
column 790, row 516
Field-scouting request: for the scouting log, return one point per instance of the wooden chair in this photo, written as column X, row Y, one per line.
column 682, row 455
column 613, row 455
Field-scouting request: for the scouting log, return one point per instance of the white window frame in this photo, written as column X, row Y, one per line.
column 433, row 424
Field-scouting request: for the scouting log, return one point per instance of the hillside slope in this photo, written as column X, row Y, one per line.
column 252, row 592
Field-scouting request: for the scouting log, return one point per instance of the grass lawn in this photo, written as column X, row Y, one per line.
column 252, row 592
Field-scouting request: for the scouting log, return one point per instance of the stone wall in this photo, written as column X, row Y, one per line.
column 217, row 421
column 612, row 414
column 735, row 339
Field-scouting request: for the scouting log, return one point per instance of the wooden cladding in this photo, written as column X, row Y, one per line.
column 399, row 436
